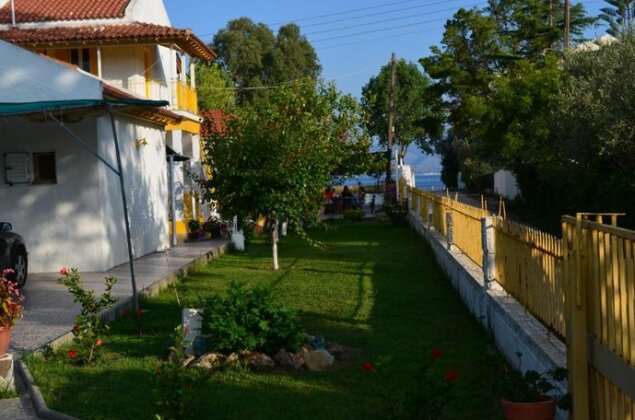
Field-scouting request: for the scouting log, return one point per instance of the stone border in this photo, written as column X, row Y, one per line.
column 514, row 329
column 154, row 289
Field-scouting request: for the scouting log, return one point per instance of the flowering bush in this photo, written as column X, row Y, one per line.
column 88, row 328
column 429, row 397
column 10, row 300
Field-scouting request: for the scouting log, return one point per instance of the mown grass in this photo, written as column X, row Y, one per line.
column 376, row 288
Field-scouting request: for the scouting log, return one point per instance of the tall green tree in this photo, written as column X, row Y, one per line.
column 480, row 47
column 274, row 158
column 256, row 57
column 417, row 112
column 215, row 87
column 620, row 16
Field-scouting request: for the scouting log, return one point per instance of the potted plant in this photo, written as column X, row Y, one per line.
column 533, row 395
column 195, row 230
column 10, row 309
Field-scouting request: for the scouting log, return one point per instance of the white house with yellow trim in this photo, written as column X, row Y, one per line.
column 122, row 49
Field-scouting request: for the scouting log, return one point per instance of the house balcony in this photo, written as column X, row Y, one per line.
column 180, row 95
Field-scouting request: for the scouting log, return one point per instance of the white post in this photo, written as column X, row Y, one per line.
column 173, row 200
column 419, row 206
column 12, row 14
column 449, row 230
column 99, row 65
column 192, row 74
column 430, row 215
column 274, row 244
column 489, row 257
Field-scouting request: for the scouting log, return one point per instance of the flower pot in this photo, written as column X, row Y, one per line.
column 5, row 339
column 539, row 410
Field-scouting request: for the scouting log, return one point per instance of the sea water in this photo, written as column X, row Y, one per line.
column 426, row 182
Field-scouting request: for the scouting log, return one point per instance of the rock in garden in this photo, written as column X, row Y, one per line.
column 257, row 361
column 209, row 361
column 308, row 339
column 319, row 360
column 186, row 362
column 286, row 360
column 232, row 360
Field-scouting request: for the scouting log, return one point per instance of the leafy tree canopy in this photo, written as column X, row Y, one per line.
column 215, row 87
column 620, row 16
column 417, row 113
column 275, row 158
column 256, row 57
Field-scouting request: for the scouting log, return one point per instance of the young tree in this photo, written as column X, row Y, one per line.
column 414, row 107
column 276, row 157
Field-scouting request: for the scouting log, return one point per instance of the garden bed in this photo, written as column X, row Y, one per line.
column 376, row 288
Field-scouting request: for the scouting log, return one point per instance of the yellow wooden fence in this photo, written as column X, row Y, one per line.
column 529, row 267
column 600, row 267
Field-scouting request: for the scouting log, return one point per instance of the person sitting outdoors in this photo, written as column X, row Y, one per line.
column 347, row 198
column 361, row 197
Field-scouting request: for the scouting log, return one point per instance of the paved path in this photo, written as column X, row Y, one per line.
column 49, row 310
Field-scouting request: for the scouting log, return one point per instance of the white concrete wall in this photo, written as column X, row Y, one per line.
column 60, row 222
column 146, row 182
column 149, row 11
column 505, row 184
column 26, row 77
column 124, row 67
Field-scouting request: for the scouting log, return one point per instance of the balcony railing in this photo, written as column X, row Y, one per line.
column 179, row 94
column 187, row 98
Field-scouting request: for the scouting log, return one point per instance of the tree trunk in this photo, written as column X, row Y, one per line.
column 274, row 245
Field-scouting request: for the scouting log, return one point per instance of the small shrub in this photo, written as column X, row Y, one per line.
column 174, row 383
column 252, row 320
column 88, row 328
column 396, row 210
column 354, row 215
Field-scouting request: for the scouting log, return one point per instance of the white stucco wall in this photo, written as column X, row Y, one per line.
column 27, row 77
column 505, row 184
column 145, row 175
column 124, row 67
column 59, row 222
column 175, row 141
column 149, row 11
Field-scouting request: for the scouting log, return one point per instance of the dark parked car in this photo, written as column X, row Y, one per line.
column 13, row 254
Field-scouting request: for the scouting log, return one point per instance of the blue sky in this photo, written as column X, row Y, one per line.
column 353, row 38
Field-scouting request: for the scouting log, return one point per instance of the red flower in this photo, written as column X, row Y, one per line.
column 436, row 353
column 72, row 354
column 451, row 376
column 98, row 342
column 64, row 271
column 76, row 329
column 139, row 313
column 368, row 367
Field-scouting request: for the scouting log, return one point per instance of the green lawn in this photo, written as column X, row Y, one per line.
column 376, row 288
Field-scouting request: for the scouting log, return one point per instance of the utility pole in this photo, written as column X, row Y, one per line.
column 567, row 24
column 391, row 114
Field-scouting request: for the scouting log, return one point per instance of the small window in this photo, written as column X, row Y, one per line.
column 44, row 168
column 16, row 168
column 81, row 58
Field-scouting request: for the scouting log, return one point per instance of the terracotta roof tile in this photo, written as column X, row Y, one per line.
column 108, row 34
column 56, row 10
column 213, row 122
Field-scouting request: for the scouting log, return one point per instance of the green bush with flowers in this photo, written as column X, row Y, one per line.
column 10, row 300
column 88, row 328
column 426, row 400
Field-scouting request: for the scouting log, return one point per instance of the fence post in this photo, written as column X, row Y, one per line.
column 575, row 299
column 430, row 214
column 449, row 230
column 489, row 253
column 419, row 198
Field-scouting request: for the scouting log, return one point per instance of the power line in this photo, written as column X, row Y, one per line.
column 378, row 30
column 328, row 22
column 344, row 12
column 387, row 20
column 328, row 47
